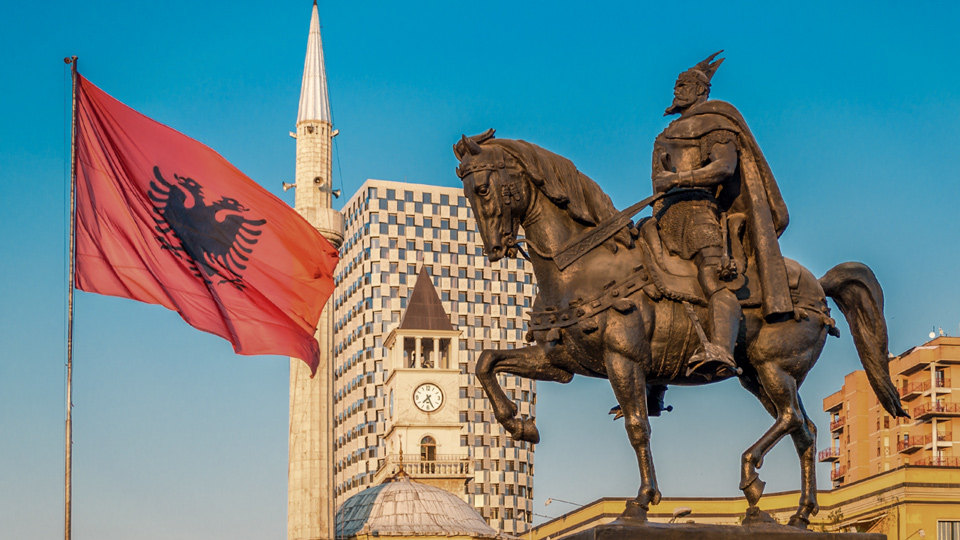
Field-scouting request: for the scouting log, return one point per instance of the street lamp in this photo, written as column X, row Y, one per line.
column 679, row 512
column 919, row 532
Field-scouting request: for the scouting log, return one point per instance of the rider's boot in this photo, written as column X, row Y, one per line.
column 723, row 309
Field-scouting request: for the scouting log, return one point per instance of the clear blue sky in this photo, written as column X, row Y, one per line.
column 856, row 106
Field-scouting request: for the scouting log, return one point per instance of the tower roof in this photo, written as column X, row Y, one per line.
column 314, row 101
column 424, row 310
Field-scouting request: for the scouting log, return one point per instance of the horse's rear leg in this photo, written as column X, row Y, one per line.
column 806, row 448
column 805, row 442
column 528, row 362
column 629, row 386
column 781, row 390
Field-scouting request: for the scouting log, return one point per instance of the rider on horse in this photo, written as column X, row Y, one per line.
column 709, row 165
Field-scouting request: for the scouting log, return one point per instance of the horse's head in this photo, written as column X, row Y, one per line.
column 492, row 184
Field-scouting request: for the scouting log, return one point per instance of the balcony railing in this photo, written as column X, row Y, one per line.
column 443, row 465
column 936, row 409
column 938, row 462
column 838, row 473
column 838, row 423
column 912, row 390
column 909, row 444
column 912, row 443
column 829, row 454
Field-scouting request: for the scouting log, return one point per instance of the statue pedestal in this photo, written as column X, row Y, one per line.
column 703, row 531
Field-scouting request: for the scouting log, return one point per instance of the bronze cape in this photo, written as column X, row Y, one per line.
column 752, row 190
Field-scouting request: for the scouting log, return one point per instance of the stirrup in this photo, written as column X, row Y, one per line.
column 707, row 356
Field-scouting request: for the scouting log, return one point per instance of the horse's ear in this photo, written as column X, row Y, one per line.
column 457, row 152
column 471, row 145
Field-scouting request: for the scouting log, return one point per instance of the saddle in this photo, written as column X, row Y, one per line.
column 665, row 275
column 676, row 278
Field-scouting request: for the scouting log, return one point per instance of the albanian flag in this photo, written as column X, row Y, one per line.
column 163, row 219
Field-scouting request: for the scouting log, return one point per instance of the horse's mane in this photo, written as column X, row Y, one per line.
column 560, row 181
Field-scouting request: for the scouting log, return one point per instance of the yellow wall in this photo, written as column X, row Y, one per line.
column 897, row 503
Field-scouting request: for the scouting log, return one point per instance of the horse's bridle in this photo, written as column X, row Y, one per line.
column 510, row 191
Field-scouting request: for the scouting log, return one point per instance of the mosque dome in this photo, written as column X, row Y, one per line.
column 403, row 507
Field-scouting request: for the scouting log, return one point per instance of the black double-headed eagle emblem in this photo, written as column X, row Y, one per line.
column 214, row 239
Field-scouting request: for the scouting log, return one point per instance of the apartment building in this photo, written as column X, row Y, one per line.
column 866, row 441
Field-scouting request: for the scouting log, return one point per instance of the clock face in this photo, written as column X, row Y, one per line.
column 428, row 397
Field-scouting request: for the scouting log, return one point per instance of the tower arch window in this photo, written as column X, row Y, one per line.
column 428, row 454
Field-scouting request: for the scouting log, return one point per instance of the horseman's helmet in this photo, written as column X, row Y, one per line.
column 703, row 71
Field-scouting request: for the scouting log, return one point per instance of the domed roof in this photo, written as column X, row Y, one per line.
column 402, row 507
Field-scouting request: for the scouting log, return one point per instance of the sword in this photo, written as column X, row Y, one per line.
column 592, row 238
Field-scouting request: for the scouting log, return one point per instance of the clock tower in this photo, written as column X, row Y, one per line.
column 423, row 403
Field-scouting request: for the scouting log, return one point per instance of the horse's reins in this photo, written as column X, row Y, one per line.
column 578, row 246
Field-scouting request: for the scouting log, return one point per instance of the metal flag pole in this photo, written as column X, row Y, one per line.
column 68, row 436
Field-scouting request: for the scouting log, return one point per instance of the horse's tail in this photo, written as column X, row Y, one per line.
column 855, row 289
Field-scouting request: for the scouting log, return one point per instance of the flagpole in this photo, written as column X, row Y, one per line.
column 68, row 436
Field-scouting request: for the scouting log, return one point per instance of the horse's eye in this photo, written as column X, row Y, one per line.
column 483, row 191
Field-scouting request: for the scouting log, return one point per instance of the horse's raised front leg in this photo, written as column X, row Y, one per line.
column 528, row 362
column 629, row 387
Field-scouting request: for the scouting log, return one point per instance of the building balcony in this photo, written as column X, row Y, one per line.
column 838, row 473
column 909, row 444
column 938, row 462
column 930, row 410
column 829, row 454
column 444, row 466
column 912, row 390
column 838, row 424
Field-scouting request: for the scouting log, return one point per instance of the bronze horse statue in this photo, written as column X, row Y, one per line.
column 610, row 311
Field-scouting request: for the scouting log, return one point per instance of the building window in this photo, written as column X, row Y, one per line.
column 948, row 530
column 428, row 449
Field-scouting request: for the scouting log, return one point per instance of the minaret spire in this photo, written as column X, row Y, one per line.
column 314, row 100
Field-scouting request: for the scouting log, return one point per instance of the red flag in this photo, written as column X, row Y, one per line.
column 163, row 219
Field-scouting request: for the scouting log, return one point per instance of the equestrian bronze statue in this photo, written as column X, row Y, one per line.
column 697, row 293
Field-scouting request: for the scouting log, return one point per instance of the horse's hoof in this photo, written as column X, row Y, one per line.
column 754, row 490
column 755, row 516
column 799, row 522
column 634, row 512
column 524, row 430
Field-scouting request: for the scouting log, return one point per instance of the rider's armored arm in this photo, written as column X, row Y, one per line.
column 723, row 163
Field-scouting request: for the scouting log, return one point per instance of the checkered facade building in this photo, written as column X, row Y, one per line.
column 392, row 228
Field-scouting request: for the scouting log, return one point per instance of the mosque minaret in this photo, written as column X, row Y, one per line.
column 310, row 511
